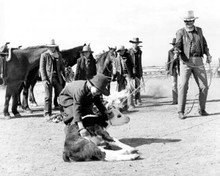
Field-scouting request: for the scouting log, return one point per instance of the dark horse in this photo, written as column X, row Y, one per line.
column 17, row 69
column 104, row 62
column 69, row 56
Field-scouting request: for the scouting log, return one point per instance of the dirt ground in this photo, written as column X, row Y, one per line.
column 30, row 146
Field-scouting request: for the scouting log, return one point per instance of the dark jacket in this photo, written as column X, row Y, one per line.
column 183, row 43
column 46, row 67
column 86, row 68
column 117, row 65
column 137, row 60
column 76, row 95
column 172, row 65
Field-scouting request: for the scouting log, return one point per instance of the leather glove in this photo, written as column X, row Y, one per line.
column 209, row 59
column 83, row 132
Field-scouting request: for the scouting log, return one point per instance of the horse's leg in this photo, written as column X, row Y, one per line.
column 31, row 92
column 19, row 94
column 15, row 104
column 25, row 106
column 7, row 99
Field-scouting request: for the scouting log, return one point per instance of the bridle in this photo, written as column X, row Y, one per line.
column 111, row 58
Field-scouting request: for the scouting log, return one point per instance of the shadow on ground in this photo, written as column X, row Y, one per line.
column 135, row 142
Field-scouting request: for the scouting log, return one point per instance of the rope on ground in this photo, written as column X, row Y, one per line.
column 186, row 129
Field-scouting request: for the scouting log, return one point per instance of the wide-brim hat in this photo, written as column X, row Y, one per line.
column 135, row 40
column 189, row 16
column 52, row 43
column 86, row 48
column 101, row 82
column 173, row 42
column 120, row 48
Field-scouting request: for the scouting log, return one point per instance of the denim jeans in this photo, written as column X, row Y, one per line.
column 196, row 67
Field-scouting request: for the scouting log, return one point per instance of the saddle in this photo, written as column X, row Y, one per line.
column 6, row 51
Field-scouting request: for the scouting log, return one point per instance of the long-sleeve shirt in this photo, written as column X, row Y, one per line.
column 77, row 95
column 184, row 43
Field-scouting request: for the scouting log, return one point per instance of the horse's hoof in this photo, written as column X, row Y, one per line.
column 20, row 108
column 7, row 117
column 17, row 115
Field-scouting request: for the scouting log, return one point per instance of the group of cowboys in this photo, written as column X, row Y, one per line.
column 127, row 68
column 76, row 98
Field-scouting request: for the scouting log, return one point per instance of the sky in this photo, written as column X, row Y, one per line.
column 105, row 23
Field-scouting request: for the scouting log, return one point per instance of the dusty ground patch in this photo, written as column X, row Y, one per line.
column 168, row 146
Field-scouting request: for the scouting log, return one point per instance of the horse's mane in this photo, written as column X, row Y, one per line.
column 35, row 47
column 75, row 48
column 101, row 55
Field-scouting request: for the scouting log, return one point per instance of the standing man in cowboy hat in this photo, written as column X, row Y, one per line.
column 191, row 45
column 172, row 68
column 136, row 55
column 123, row 71
column 78, row 97
column 51, row 71
column 86, row 64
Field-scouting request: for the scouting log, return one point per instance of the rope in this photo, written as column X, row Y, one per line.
column 190, row 109
column 194, row 101
column 186, row 129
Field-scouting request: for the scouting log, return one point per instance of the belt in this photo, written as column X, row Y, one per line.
column 195, row 55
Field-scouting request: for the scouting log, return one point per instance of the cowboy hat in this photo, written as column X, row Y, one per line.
column 173, row 42
column 52, row 43
column 189, row 16
column 135, row 40
column 121, row 48
column 87, row 48
column 101, row 82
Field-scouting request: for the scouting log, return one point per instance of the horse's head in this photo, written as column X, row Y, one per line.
column 70, row 56
column 104, row 62
column 112, row 51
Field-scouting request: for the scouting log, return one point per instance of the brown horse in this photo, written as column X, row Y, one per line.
column 69, row 56
column 104, row 62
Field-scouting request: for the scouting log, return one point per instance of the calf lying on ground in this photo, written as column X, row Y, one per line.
column 77, row 148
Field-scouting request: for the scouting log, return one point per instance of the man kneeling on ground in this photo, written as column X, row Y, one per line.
column 77, row 100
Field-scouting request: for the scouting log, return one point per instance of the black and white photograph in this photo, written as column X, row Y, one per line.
column 115, row 88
